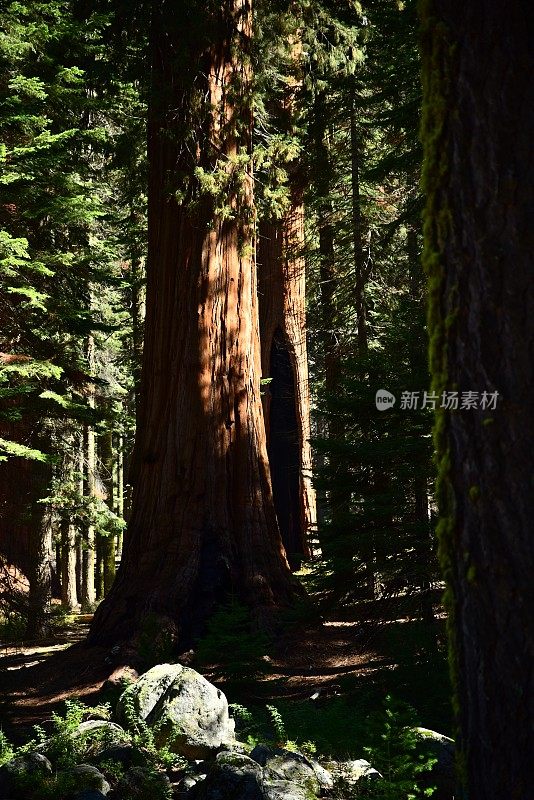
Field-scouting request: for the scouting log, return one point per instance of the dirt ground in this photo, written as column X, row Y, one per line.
column 314, row 662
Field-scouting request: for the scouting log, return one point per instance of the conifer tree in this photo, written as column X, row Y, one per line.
column 203, row 521
column 55, row 251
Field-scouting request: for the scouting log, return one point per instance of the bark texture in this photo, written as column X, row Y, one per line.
column 361, row 268
column 69, row 596
column 108, row 541
column 40, row 594
column 479, row 179
column 203, row 521
column 88, row 595
column 284, row 359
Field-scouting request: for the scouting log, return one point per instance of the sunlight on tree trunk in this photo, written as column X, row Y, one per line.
column 203, row 521
column 282, row 291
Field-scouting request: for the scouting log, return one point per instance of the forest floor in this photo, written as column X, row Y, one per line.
column 312, row 677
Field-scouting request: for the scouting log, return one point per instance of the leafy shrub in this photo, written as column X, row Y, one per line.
column 393, row 746
column 12, row 627
column 233, row 645
column 6, row 749
column 144, row 737
column 65, row 749
column 395, row 751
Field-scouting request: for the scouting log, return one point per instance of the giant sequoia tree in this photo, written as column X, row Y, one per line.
column 478, row 130
column 203, row 521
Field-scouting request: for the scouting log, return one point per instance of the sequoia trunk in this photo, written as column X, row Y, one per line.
column 203, row 521
column 282, row 285
column 479, row 180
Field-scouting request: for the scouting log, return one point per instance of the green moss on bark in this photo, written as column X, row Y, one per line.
column 438, row 59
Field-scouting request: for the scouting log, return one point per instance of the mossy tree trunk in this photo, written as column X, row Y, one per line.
column 478, row 129
column 203, row 522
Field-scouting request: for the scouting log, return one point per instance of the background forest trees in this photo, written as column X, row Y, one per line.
column 73, row 220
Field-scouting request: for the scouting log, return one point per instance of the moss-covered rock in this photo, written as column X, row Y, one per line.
column 235, row 776
column 185, row 711
column 23, row 770
column 443, row 775
column 292, row 766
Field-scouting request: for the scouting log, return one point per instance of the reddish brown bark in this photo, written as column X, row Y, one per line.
column 203, row 521
column 284, row 359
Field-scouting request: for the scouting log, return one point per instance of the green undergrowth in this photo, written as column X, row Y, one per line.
column 385, row 736
column 66, row 748
column 13, row 624
column 12, row 627
column 233, row 647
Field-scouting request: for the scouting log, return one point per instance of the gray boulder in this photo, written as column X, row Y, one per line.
column 235, row 776
column 140, row 783
column 285, row 790
column 88, row 739
column 186, row 712
column 100, row 734
column 443, row 773
column 195, row 772
column 354, row 771
column 20, row 769
column 292, row 766
column 89, row 777
column 124, row 754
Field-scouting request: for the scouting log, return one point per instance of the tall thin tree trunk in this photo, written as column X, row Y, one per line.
column 138, row 319
column 478, row 128
column 79, row 538
column 425, row 552
column 203, row 521
column 88, row 596
column 420, row 489
column 69, row 595
column 99, row 566
column 361, row 270
column 107, row 541
column 40, row 593
column 122, row 504
column 328, row 274
column 282, row 292
column 328, row 285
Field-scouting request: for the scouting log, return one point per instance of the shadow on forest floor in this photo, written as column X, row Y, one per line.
column 347, row 666
column 326, row 681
